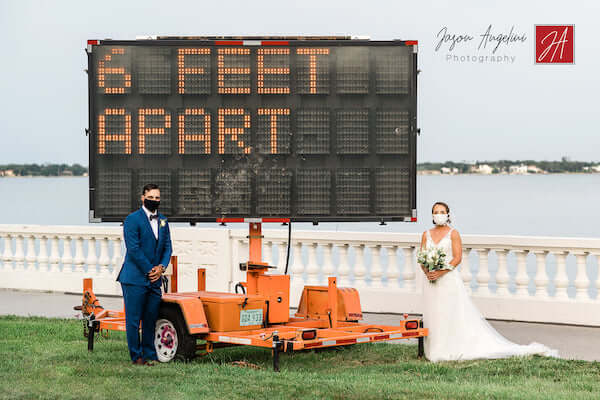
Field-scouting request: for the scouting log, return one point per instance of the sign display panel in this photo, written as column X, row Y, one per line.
column 311, row 130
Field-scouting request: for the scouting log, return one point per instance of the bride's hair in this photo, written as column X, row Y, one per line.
column 441, row 203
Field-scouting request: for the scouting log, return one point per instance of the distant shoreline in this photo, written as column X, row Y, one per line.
column 45, row 176
column 437, row 173
column 500, row 167
column 419, row 173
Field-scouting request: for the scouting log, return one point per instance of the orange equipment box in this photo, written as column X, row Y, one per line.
column 233, row 312
column 276, row 289
column 314, row 303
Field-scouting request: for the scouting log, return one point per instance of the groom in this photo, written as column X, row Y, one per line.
column 148, row 243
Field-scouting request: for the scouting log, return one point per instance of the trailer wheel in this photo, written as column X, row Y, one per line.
column 171, row 339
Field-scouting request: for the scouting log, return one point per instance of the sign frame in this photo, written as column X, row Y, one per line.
column 254, row 42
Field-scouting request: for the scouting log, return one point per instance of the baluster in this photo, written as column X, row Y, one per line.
column 103, row 260
column 343, row 270
column 297, row 265
column 408, row 272
column 243, row 256
column 483, row 277
column 502, row 276
column 522, row 279
column 245, row 249
column 30, row 256
column 54, row 258
column 392, row 265
column 561, row 281
column 117, row 259
column 541, row 275
column 67, row 258
column 19, row 255
column 581, row 281
column 29, row 278
column 328, row 269
column 268, row 252
column 465, row 270
column 43, row 259
column 45, row 279
column 312, row 269
column 79, row 260
column 91, row 259
column 376, row 271
column 359, row 265
column 7, row 255
column 282, row 253
column 593, row 282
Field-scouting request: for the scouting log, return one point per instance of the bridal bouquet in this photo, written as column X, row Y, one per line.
column 433, row 259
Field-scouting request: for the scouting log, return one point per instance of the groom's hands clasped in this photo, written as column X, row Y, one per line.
column 155, row 273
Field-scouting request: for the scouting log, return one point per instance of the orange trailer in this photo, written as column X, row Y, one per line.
column 189, row 322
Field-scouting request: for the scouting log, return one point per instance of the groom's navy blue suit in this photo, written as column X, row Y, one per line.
column 142, row 297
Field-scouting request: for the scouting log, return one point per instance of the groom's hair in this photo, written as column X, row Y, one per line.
column 441, row 203
column 148, row 187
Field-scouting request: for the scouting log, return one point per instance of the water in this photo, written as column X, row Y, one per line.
column 561, row 205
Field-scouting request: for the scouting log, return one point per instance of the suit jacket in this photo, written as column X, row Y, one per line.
column 144, row 251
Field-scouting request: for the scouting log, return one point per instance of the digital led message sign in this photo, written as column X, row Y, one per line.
column 306, row 129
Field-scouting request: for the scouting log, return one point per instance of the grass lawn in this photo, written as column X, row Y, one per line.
column 48, row 358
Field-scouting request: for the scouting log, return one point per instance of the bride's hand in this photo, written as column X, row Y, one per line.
column 433, row 275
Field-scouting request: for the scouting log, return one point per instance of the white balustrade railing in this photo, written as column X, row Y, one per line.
column 57, row 258
column 508, row 276
column 543, row 279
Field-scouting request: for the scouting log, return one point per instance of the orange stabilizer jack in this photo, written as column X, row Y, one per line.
column 174, row 276
column 201, row 279
column 333, row 301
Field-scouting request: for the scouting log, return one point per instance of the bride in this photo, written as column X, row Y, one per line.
column 457, row 331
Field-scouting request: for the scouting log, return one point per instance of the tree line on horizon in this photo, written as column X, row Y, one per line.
column 563, row 165
column 44, row 169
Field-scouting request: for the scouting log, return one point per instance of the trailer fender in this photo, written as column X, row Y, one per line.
column 192, row 311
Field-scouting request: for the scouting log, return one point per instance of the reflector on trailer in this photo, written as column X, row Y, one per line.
column 412, row 324
column 309, row 334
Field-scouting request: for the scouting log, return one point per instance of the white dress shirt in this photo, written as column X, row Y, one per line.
column 153, row 223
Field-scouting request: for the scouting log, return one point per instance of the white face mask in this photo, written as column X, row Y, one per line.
column 440, row 219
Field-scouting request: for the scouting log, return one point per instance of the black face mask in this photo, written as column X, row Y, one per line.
column 151, row 205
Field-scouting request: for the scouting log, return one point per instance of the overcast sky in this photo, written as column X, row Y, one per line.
column 486, row 110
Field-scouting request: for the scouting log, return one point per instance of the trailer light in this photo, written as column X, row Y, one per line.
column 309, row 334
column 412, row 324
column 410, row 334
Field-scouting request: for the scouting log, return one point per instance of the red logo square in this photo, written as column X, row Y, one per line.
column 554, row 44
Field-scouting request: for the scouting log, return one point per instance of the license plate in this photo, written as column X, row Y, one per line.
column 251, row 317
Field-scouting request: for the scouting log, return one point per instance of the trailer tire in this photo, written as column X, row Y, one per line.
column 171, row 337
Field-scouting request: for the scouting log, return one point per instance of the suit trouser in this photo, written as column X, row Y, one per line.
column 141, row 303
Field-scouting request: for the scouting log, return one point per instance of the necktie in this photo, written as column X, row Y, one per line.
column 155, row 216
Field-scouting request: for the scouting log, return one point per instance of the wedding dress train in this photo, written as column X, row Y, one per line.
column 457, row 330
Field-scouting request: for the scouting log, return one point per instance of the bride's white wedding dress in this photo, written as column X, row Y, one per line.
column 457, row 331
